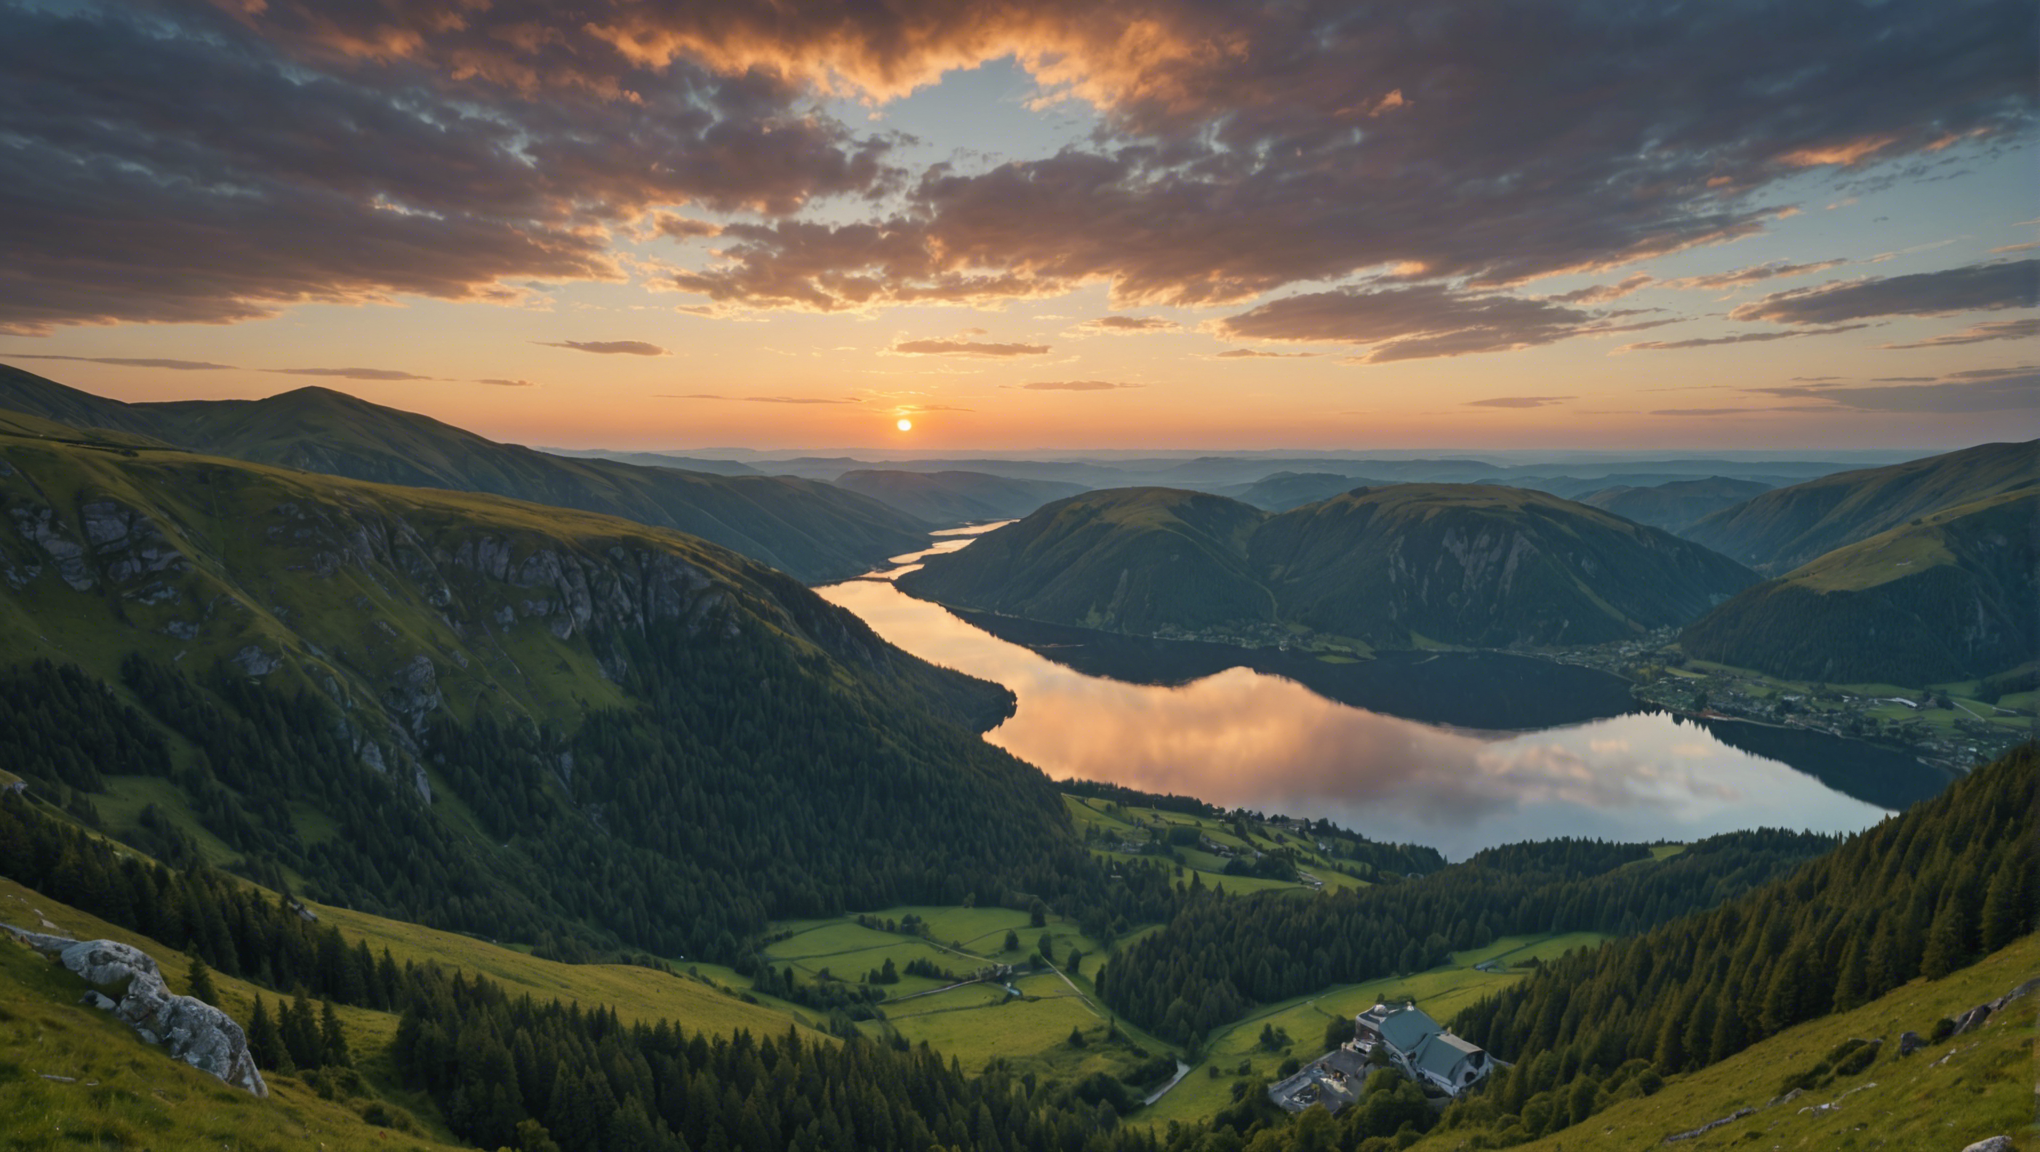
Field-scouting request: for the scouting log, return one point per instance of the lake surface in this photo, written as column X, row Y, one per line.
column 1456, row 750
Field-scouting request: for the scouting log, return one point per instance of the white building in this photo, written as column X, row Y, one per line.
column 1421, row 1048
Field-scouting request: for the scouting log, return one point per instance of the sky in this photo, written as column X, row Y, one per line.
column 1633, row 226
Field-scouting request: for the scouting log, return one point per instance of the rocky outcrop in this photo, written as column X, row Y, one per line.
column 193, row 1031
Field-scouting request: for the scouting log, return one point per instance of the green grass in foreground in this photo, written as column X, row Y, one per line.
column 1945, row 1096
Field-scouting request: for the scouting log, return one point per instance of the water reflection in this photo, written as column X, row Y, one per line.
column 1244, row 737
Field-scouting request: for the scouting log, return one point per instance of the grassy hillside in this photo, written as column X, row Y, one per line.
column 1784, row 529
column 814, row 531
column 1482, row 565
column 1677, row 504
column 1123, row 560
column 1393, row 567
column 1950, row 596
column 563, row 723
column 1947, row 1095
column 951, row 498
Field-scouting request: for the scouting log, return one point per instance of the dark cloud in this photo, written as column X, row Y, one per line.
column 503, row 383
column 1131, row 325
column 1519, row 401
column 1249, row 148
column 608, row 347
column 683, row 228
column 1975, row 288
column 182, row 161
column 174, row 162
column 1076, row 386
column 1754, row 274
column 1738, row 338
column 351, row 373
column 1257, row 354
column 755, row 399
column 1978, row 334
column 126, row 362
column 1422, row 320
column 940, row 347
column 1991, row 390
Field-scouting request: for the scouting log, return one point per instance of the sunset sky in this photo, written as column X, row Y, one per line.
column 1795, row 225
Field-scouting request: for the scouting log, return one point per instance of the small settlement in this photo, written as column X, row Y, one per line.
column 1402, row 1037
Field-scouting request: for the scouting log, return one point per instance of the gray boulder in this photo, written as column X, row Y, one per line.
column 193, row 1031
column 1992, row 1144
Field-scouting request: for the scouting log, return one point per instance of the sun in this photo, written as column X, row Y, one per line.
column 906, row 425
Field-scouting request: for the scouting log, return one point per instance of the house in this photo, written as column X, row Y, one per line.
column 1420, row 1047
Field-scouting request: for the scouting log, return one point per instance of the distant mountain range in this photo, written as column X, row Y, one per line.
column 814, row 531
column 952, row 498
column 1674, row 505
column 1391, row 567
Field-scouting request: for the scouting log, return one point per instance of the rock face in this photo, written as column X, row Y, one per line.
column 194, row 1031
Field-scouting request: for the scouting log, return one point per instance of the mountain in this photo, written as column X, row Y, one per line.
column 1674, row 505
column 1285, row 490
column 1121, row 560
column 481, row 713
column 811, row 530
column 1781, row 530
column 1392, row 567
column 952, row 498
column 659, row 460
column 1951, row 596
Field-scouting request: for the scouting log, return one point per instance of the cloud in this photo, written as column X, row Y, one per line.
column 342, row 155
column 126, row 362
column 502, row 383
column 1257, row 354
column 1986, row 390
column 942, row 347
column 351, row 373
column 1602, row 293
column 1754, row 274
column 1130, row 325
column 1519, row 401
column 1077, row 386
column 1236, row 154
column 1978, row 334
column 755, row 399
column 1739, row 411
column 682, row 227
column 934, row 408
column 1423, row 320
column 1738, row 338
column 1974, row 288
column 608, row 347
column 356, row 151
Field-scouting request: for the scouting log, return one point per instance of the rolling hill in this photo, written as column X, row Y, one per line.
column 1285, row 490
column 1675, row 505
column 813, row 531
column 1392, row 567
column 1951, row 596
column 952, row 498
column 561, row 723
column 1781, row 530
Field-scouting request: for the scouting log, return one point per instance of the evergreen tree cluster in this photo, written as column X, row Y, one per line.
column 61, row 726
column 516, row 1073
column 1220, row 956
column 1922, row 894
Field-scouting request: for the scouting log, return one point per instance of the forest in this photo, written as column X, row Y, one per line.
column 1220, row 956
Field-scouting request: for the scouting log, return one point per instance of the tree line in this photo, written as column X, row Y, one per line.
column 1218, row 957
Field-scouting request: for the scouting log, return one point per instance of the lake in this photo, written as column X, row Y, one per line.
column 1456, row 750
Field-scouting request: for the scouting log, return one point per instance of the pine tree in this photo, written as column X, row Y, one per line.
column 265, row 1041
column 300, row 1028
column 1946, row 950
column 198, row 980
column 2007, row 911
column 331, row 1037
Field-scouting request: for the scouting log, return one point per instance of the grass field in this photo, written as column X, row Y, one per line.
column 1945, row 1096
column 1441, row 992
